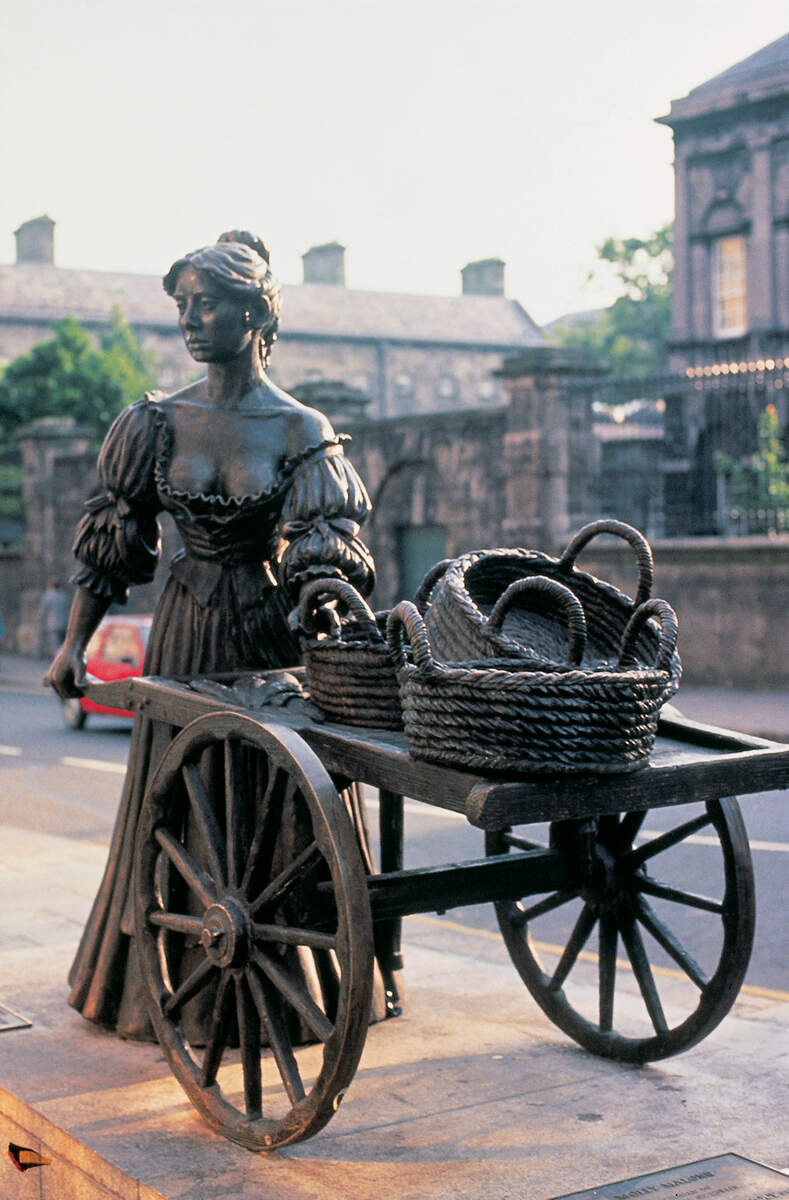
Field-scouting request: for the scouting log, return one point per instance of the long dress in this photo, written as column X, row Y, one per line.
column 224, row 606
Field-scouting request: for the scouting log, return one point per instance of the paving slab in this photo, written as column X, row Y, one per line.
column 472, row 1095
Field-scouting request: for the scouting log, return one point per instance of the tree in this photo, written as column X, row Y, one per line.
column 631, row 336
column 757, row 487
column 132, row 367
column 70, row 376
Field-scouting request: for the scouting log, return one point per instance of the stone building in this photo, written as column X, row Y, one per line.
column 731, row 233
column 730, row 328
column 407, row 353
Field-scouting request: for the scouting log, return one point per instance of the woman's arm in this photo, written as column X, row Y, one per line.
column 67, row 673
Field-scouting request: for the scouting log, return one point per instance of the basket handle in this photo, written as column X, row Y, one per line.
column 336, row 589
column 636, row 540
column 541, row 589
column 405, row 616
column 430, row 580
column 668, row 634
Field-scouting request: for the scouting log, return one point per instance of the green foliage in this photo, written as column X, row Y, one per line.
column 69, row 376
column 130, row 366
column 757, row 487
column 10, row 491
column 630, row 336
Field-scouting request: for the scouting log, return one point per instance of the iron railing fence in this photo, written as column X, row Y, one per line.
column 719, row 470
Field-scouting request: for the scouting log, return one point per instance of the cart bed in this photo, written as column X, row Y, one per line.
column 690, row 762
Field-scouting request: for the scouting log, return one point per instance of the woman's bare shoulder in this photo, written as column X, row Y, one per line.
column 194, row 391
column 305, row 427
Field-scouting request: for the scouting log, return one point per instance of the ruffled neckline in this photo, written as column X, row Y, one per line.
column 163, row 454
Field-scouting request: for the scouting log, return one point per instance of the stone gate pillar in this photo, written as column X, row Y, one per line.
column 550, row 453
column 58, row 465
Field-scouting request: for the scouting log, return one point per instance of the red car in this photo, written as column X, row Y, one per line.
column 115, row 651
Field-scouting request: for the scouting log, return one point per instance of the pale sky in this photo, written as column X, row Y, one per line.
column 421, row 135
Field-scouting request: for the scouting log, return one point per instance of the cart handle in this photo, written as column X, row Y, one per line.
column 543, row 592
column 354, row 605
column 436, row 572
column 643, row 552
column 667, row 644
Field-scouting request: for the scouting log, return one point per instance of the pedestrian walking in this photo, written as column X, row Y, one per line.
column 52, row 618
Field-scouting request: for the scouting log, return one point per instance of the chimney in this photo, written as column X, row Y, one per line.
column 35, row 241
column 325, row 264
column 483, row 278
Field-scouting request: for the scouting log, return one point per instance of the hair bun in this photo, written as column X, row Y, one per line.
column 247, row 239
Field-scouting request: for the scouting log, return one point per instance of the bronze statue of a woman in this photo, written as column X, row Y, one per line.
column 263, row 499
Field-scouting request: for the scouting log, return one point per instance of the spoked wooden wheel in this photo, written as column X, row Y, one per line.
column 253, row 926
column 685, row 939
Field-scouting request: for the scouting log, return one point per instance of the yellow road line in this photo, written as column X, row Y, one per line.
column 94, row 764
column 587, row 956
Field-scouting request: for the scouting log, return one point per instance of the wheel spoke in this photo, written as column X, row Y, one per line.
column 521, row 916
column 178, row 923
column 270, row 808
column 578, row 939
column 665, row 938
column 217, row 1033
column 607, row 970
column 294, row 872
column 200, row 883
column 629, row 827
column 654, row 887
column 643, row 972
column 234, row 814
column 249, row 1042
column 206, row 821
column 190, row 986
column 664, row 842
column 295, row 992
column 273, row 1018
column 290, row 935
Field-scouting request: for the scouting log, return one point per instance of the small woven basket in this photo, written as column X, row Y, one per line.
column 350, row 672
column 460, row 622
column 510, row 715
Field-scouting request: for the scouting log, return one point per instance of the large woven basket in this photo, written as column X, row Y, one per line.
column 510, row 715
column 460, row 622
column 350, row 672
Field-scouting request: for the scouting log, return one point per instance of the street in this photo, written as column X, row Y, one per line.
column 59, row 781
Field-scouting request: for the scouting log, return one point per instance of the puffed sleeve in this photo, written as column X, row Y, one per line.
column 321, row 517
column 117, row 540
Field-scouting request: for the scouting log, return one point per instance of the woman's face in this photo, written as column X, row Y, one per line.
column 212, row 322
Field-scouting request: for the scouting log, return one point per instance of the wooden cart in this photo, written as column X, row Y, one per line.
column 229, row 924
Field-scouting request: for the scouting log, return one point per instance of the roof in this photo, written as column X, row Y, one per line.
column 41, row 291
column 760, row 76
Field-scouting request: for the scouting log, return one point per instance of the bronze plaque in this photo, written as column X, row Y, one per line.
column 728, row 1176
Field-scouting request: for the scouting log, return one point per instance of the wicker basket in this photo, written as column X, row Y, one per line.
column 350, row 672
column 459, row 619
column 510, row 715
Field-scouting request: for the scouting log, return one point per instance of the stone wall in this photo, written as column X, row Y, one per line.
column 432, row 472
column 730, row 595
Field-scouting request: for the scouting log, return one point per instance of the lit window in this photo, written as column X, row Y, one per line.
column 404, row 384
column 447, row 387
column 728, row 287
column 487, row 389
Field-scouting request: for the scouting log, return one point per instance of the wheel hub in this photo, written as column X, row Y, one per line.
column 225, row 935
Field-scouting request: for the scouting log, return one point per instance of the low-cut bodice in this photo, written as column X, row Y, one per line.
column 303, row 521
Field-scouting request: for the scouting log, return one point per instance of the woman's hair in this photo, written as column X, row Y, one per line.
column 239, row 265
